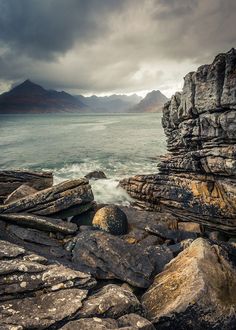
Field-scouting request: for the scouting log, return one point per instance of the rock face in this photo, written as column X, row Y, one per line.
column 62, row 200
column 36, row 293
column 197, row 290
column 197, row 179
column 111, row 219
column 11, row 180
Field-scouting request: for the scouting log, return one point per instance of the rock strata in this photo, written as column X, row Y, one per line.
column 197, row 178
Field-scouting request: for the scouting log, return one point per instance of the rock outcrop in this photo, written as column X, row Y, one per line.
column 197, row 178
column 11, row 180
column 197, row 290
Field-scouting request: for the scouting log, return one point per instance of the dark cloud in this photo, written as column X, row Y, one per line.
column 107, row 46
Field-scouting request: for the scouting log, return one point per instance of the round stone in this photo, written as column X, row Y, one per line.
column 111, row 219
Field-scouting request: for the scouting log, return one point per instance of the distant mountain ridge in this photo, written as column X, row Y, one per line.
column 112, row 103
column 29, row 97
column 152, row 102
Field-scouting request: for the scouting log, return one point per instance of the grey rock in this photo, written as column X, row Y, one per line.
column 96, row 175
column 20, row 192
column 136, row 321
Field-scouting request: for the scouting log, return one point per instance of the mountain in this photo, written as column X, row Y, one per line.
column 29, row 97
column 111, row 104
column 152, row 102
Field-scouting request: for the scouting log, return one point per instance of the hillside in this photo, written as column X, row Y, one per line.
column 152, row 102
column 29, row 97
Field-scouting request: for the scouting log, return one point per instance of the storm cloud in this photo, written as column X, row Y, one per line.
column 108, row 46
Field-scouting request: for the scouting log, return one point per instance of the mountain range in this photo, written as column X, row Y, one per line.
column 29, row 97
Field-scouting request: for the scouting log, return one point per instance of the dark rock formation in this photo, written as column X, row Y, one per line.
column 108, row 257
column 195, row 291
column 197, row 179
column 11, row 180
column 111, row 219
column 96, row 175
column 65, row 199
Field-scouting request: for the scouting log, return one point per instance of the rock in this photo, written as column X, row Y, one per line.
column 217, row 236
column 20, row 192
column 39, row 222
column 108, row 257
column 90, row 324
column 195, row 291
column 96, row 175
column 196, row 180
column 111, row 301
column 159, row 255
column 36, row 293
column 11, row 180
column 179, row 247
column 136, row 321
column 190, row 226
column 62, row 200
column 111, row 219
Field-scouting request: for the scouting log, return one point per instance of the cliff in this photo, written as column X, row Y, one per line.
column 197, row 178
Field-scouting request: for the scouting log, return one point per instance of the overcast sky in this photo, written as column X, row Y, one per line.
column 111, row 46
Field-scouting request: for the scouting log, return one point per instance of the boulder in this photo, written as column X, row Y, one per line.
column 20, row 192
column 195, row 291
column 136, row 321
column 109, row 257
column 91, row 323
column 65, row 199
column 111, row 219
column 111, row 301
column 96, row 175
column 11, row 180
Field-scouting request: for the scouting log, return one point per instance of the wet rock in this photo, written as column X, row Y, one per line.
column 20, row 192
column 111, row 219
column 11, row 180
column 96, row 175
column 39, row 222
column 195, row 291
column 111, row 301
column 62, row 200
column 108, row 257
column 136, row 321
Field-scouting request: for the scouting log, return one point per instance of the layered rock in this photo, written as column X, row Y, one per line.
column 197, row 178
column 11, row 180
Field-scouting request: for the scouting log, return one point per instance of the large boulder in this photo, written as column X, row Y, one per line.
column 108, row 257
column 197, row 290
column 196, row 180
column 111, row 219
column 62, row 200
column 11, row 180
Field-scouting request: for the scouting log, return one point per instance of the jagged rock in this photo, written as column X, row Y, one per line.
column 91, row 323
column 111, row 301
column 107, row 256
column 20, row 192
column 196, row 180
column 11, row 180
column 111, row 219
column 62, row 200
column 195, row 291
column 39, row 222
column 136, row 321
column 96, row 175
column 36, row 293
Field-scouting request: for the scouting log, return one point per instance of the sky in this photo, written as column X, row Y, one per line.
column 111, row 46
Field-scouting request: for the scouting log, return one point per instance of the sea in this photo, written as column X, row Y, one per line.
column 72, row 145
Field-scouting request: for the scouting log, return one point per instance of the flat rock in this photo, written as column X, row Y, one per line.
column 20, row 192
column 107, row 256
column 65, row 199
column 111, row 301
column 11, row 180
column 39, row 222
column 195, row 291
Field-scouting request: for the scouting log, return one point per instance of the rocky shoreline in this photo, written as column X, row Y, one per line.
column 69, row 263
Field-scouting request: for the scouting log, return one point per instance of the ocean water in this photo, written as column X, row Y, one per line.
column 121, row 145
